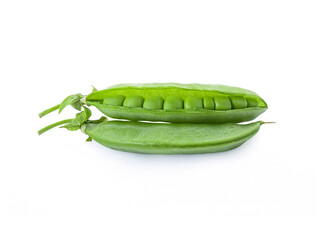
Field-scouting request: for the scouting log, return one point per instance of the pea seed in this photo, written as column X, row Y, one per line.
column 173, row 102
column 251, row 102
column 208, row 103
column 222, row 103
column 133, row 101
column 115, row 100
column 192, row 102
column 153, row 102
column 238, row 102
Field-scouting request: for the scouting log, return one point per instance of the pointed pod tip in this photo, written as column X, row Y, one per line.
column 268, row 122
column 89, row 139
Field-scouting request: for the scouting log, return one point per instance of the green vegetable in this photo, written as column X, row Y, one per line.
column 238, row 102
column 172, row 102
column 115, row 100
column 171, row 138
column 161, row 138
column 222, row 103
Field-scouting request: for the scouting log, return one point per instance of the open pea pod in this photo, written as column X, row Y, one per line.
column 178, row 103
column 173, row 102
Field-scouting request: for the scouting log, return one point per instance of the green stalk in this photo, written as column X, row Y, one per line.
column 47, row 111
column 43, row 130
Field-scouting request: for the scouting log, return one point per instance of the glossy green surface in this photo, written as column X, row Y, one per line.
column 208, row 103
column 153, row 102
column 133, row 101
column 222, row 103
column 173, row 103
column 251, row 102
column 166, row 138
column 238, row 102
column 193, row 102
column 188, row 103
column 114, row 100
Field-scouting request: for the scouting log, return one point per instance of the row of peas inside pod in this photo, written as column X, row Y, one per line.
column 219, row 102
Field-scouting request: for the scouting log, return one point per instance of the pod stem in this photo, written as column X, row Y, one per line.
column 268, row 122
column 47, row 111
column 45, row 129
column 76, row 101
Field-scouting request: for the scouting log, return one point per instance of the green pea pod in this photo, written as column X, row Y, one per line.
column 171, row 138
column 172, row 102
column 178, row 103
column 161, row 138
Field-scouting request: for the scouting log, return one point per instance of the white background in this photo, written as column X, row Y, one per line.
column 57, row 186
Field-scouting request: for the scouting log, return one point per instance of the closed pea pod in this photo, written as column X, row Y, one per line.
column 175, row 138
column 161, row 138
